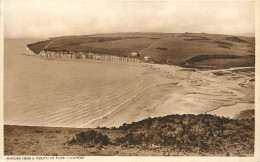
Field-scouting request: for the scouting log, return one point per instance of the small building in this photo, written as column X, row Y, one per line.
column 146, row 58
column 134, row 54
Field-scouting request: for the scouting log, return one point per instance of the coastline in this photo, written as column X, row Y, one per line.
column 177, row 89
column 174, row 87
column 155, row 90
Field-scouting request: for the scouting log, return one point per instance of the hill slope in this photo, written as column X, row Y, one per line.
column 166, row 48
column 174, row 135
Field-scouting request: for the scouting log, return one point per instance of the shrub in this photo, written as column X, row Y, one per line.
column 162, row 48
column 90, row 137
column 192, row 133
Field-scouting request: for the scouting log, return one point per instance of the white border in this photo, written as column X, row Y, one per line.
column 150, row 158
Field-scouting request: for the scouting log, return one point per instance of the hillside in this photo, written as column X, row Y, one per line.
column 172, row 135
column 199, row 50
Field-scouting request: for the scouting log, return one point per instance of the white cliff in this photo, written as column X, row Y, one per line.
column 82, row 55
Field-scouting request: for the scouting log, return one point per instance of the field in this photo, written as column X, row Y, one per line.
column 172, row 135
column 163, row 48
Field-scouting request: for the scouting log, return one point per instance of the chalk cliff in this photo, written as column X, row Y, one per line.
column 81, row 55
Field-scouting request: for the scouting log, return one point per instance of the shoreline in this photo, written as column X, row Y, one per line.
column 172, row 90
column 194, row 69
column 171, row 73
column 80, row 128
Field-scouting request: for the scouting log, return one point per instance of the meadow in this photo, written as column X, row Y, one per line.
column 163, row 48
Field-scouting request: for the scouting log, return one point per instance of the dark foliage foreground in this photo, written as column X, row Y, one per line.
column 90, row 138
column 186, row 134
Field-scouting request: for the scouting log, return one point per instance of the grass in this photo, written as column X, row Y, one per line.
column 246, row 61
column 77, row 40
column 223, row 43
column 235, row 39
column 245, row 114
column 219, row 61
column 174, row 47
column 174, row 135
column 122, row 47
column 38, row 46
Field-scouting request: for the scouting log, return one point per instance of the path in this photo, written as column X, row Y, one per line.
column 48, row 44
column 150, row 46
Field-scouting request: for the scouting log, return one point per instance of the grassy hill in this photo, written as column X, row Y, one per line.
column 172, row 135
column 165, row 48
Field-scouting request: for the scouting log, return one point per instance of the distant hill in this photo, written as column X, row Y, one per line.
column 197, row 50
column 246, row 34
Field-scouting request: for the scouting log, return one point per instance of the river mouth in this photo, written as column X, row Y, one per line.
column 58, row 93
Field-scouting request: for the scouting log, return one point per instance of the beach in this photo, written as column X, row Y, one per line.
column 87, row 93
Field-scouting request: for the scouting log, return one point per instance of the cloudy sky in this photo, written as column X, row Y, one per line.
column 48, row 18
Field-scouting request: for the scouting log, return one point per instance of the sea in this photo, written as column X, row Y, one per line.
column 64, row 93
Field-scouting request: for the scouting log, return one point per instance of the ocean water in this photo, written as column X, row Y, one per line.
column 64, row 93
column 87, row 93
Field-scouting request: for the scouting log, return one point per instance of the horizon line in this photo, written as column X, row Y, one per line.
column 32, row 37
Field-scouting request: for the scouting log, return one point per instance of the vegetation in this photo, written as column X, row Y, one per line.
column 196, row 39
column 190, row 134
column 121, row 47
column 38, row 46
column 200, row 58
column 90, row 138
column 162, row 48
column 245, row 114
column 235, row 39
column 177, row 47
column 222, row 46
column 219, row 61
column 175, row 135
column 223, row 43
column 77, row 40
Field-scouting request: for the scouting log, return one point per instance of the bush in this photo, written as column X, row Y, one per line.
column 192, row 133
column 90, row 137
column 131, row 138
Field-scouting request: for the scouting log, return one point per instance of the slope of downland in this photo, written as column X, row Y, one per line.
column 163, row 48
column 172, row 135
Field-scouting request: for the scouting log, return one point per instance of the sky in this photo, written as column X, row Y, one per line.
column 51, row 18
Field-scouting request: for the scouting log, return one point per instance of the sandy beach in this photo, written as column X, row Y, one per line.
column 187, row 92
column 85, row 93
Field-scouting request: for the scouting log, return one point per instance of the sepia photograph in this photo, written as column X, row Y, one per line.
column 129, row 78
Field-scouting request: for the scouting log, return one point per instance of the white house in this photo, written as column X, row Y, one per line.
column 146, row 58
column 134, row 54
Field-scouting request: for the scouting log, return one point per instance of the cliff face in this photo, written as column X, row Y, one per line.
column 29, row 52
column 81, row 55
column 190, row 50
